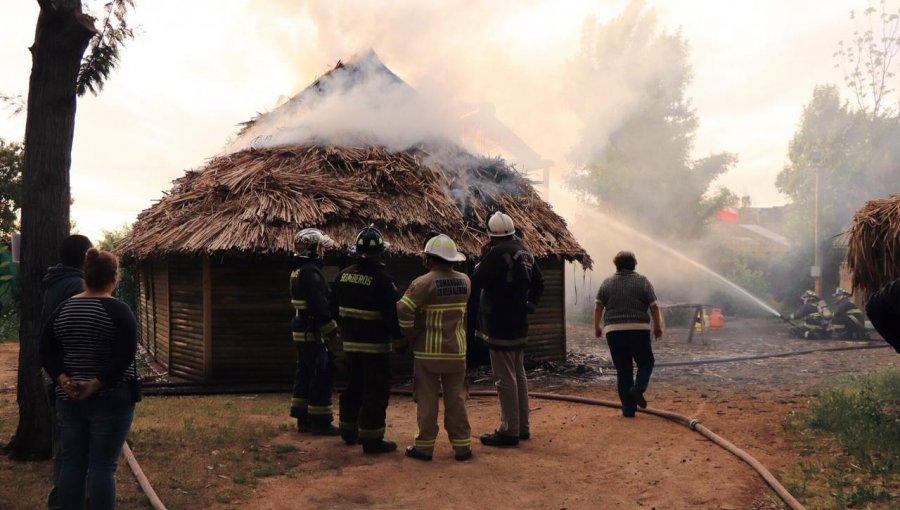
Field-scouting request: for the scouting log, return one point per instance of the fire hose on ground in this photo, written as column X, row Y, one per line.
column 693, row 424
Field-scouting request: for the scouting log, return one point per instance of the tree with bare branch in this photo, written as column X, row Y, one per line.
column 62, row 69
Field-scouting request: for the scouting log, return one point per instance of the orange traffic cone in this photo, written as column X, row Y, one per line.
column 716, row 319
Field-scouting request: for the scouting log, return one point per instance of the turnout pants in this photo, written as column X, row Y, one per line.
column 508, row 368
column 428, row 380
column 363, row 405
column 628, row 348
column 313, row 383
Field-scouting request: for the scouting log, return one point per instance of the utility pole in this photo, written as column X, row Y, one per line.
column 816, row 269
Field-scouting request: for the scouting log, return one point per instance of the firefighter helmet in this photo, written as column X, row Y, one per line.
column 309, row 240
column 500, row 225
column 442, row 247
column 810, row 295
column 841, row 292
column 369, row 243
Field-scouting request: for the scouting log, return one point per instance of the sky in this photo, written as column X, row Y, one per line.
column 197, row 69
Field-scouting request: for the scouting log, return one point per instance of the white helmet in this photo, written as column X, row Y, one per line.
column 500, row 225
column 309, row 239
column 442, row 247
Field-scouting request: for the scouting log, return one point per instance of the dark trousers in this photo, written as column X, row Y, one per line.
column 92, row 433
column 628, row 348
column 313, row 383
column 363, row 405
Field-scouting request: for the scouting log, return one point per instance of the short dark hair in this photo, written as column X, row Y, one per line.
column 100, row 269
column 625, row 261
column 72, row 250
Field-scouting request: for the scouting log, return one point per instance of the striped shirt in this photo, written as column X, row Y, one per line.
column 626, row 297
column 90, row 338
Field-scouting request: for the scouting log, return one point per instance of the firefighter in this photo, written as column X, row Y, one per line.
column 848, row 321
column 815, row 325
column 365, row 302
column 508, row 285
column 313, row 329
column 432, row 317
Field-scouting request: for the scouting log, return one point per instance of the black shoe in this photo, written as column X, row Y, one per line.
column 330, row 430
column 350, row 439
column 524, row 436
column 461, row 456
column 500, row 440
column 628, row 414
column 302, row 425
column 412, row 453
column 638, row 398
column 379, row 446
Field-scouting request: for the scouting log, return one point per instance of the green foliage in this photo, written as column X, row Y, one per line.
column 126, row 290
column 640, row 165
column 850, row 444
column 12, row 160
column 103, row 53
column 869, row 59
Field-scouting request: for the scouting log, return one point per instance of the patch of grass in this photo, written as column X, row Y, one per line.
column 849, row 443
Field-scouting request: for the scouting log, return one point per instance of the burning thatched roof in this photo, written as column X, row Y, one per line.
column 873, row 253
column 255, row 200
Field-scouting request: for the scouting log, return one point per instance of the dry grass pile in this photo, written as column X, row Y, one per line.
column 873, row 254
column 256, row 200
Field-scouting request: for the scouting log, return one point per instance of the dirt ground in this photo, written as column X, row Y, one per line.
column 584, row 456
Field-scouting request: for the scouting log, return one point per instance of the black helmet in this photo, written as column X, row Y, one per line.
column 369, row 243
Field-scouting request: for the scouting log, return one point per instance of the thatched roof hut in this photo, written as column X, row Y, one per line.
column 873, row 251
column 212, row 253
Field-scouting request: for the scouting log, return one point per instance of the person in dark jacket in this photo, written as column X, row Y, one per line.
column 313, row 329
column 883, row 309
column 847, row 320
column 61, row 282
column 508, row 284
column 364, row 301
column 815, row 324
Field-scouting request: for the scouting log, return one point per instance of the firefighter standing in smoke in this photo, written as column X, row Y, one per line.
column 847, row 320
column 432, row 316
column 312, row 328
column 508, row 285
column 365, row 302
column 815, row 325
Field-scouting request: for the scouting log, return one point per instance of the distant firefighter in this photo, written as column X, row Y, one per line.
column 848, row 321
column 815, row 324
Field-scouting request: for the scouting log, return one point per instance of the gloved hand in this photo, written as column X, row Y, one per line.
column 530, row 307
column 323, row 360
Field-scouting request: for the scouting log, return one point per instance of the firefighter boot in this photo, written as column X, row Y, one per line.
column 372, row 446
column 327, row 430
column 412, row 453
column 303, row 424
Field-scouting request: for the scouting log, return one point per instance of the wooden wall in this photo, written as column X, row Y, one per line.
column 186, row 318
column 245, row 334
column 547, row 326
column 251, row 320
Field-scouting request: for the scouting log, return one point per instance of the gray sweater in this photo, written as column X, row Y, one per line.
column 626, row 297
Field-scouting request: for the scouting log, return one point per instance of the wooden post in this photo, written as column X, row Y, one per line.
column 207, row 321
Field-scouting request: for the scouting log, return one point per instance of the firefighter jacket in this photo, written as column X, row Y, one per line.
column 432, row 314
column 848, row 316
column 506, row 284
column 312, row 320
column 810, row 315
column 364, row 299
column 883, row 309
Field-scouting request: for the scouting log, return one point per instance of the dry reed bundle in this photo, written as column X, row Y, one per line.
column 255, row 200
column 873, row 254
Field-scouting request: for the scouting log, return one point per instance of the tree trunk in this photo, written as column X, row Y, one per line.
column 61, row 38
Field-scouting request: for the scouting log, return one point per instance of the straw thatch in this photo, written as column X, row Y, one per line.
column 254, row 201
column 873, row 254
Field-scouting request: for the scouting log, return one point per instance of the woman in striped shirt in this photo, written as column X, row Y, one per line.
column 88, row 347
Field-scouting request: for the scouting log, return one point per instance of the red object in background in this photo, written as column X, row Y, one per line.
column 730, row 215
column 716, row 319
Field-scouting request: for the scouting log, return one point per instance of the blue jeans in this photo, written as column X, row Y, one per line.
column 628, row 348
column 92, row 432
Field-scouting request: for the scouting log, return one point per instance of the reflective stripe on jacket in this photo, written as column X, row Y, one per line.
column 309, row 296
column 364, row 300
column 432, row 314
